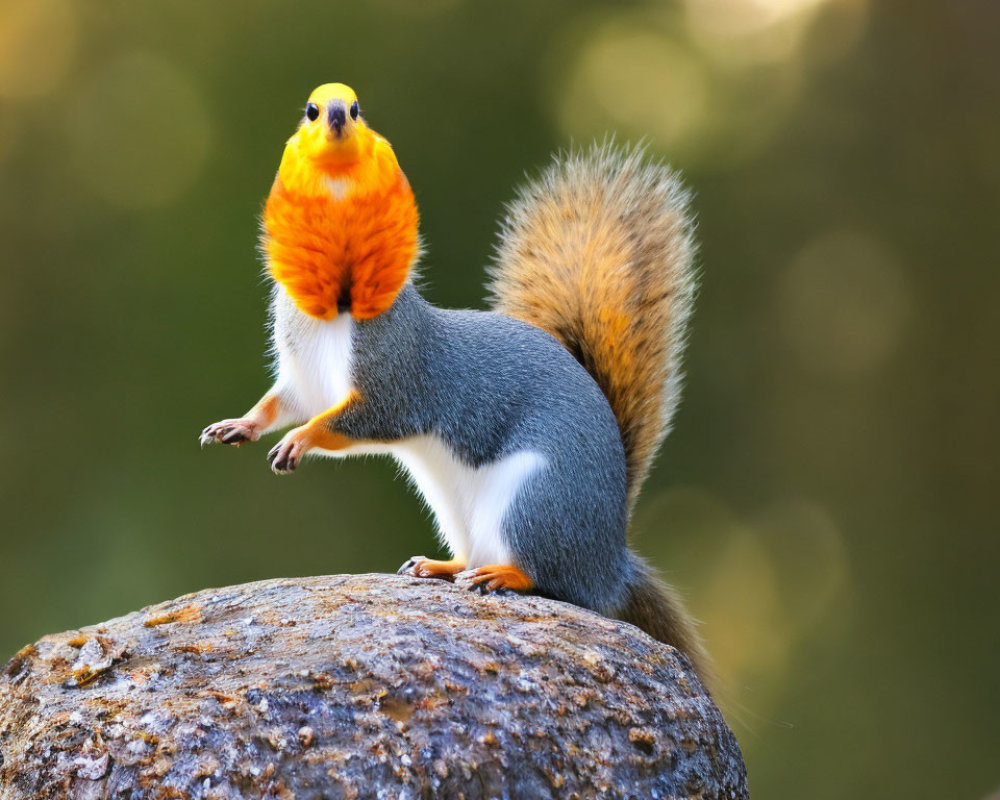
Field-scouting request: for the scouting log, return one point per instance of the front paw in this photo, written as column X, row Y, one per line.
column 231, row 431
column 286, row 455
column 424, row 567
column 409, row 566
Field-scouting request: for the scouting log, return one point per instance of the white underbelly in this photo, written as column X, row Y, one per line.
column 469, row 503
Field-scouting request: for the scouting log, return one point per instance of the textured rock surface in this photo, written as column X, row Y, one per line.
column 357, row 687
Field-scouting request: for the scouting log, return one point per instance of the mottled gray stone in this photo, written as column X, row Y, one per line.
column 359, row 686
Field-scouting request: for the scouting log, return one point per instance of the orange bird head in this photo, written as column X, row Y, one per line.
column 340, row 225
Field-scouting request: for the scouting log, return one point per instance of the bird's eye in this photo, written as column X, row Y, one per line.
column 312, row 111
column 355, row 110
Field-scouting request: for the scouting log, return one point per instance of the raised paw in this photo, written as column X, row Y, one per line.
column 495, row 578
column 231, row 431
column 423, row 567
column 286, row 455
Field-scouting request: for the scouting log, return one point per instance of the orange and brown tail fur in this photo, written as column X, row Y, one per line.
column 598, row 251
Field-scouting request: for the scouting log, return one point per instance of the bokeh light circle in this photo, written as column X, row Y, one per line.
column 37, row 43
column 843, row 305
column 636, row 81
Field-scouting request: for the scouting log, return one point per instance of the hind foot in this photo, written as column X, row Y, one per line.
column 495, row 578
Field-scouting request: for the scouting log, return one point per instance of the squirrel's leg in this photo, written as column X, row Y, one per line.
column 319, row 433
column 423, row 567
column 272, row 411
column 499, row 576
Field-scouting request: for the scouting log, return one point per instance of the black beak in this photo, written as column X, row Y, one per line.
column 336, row 116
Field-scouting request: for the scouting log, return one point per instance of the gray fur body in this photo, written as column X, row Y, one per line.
column 529, row 431
column 489, row 386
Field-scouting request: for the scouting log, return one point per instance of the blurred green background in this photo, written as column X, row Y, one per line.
column 828, row 499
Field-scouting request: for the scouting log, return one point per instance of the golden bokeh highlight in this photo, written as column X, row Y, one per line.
column 770, row 31
column 746, row 639
column 807, row 550
column 37, row 44
column 843, row 305
column 697, row 98
column 713, row 556
column 787, row 564
column 714, row 89
column 632, row 79
column 690, row 514
column 139, row 131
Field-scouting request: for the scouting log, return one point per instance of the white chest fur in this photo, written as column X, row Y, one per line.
column 314, row 356
column 468, row 502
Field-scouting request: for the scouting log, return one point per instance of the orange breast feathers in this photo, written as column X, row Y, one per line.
column 341, row 236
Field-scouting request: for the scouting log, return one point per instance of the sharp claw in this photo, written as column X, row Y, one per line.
column 409, row 567
column 207, row 436
column 282, row 458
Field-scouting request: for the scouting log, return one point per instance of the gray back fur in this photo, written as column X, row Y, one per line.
column 489, row 386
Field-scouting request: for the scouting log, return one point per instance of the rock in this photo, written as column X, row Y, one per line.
column 367, row 686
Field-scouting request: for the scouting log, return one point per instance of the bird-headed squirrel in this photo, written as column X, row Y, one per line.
column 528, row 429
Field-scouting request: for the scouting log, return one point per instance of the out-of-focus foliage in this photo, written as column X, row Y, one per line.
column 828, row 500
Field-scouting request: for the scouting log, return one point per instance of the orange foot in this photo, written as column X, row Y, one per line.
column 423, row 567
column 287, row 454
column 495, row 577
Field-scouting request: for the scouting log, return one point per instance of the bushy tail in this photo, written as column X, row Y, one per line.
column 598, row 252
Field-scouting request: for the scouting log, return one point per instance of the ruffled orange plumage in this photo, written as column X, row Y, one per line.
column 340, row 224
